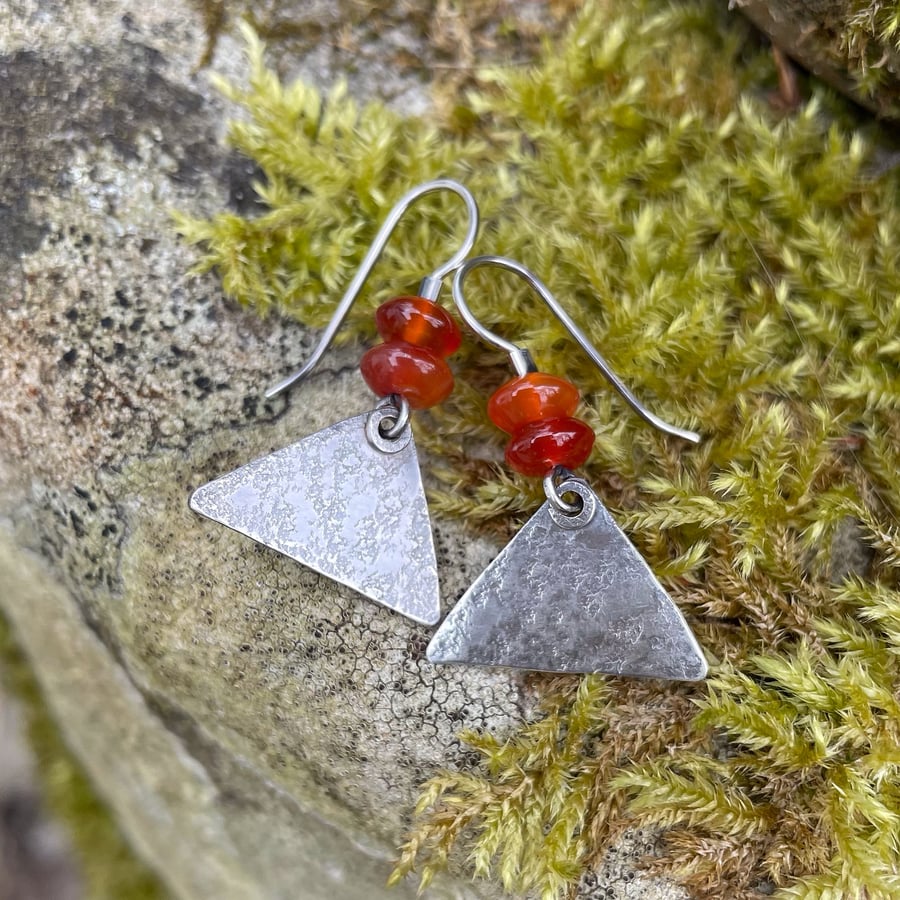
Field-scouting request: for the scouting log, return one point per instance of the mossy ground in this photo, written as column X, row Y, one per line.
column 108, row 867
column 869, row 42
column 739, row 270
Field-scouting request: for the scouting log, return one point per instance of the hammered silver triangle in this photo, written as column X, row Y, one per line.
column 335, row 503
column 570, row 599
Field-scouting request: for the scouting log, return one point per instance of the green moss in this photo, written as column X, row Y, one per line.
column 872, row 26
column 108, row 866
column 740, row 273
column 862, row 38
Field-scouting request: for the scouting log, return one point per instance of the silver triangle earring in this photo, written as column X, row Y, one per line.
column 569, row 593
column 348, row 501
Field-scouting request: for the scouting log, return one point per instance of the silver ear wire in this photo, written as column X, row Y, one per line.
column 520, row 357
column 429, row 288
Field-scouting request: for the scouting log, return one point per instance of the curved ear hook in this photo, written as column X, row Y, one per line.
column 521, row 358
column 430, row 287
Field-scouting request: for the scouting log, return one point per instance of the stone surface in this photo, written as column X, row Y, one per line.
column 254, row 727
column 35, row 858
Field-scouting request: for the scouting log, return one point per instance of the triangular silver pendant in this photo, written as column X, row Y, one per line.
column 340, row 505
column 570, row 594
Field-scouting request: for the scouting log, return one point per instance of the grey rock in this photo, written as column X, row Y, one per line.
column 259, row 731
column 35, row 857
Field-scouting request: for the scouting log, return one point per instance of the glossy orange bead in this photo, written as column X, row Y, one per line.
column 418, row 321
column 397, row 367
column 539, row 446
column 530, row 398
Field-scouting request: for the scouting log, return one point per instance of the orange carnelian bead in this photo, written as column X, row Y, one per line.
column 530, row 398
column 418, row 321
column 538, row 447
column 415, row 373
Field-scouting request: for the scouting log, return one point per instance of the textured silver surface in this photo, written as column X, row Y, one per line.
column 570, row 600
column 342, row 507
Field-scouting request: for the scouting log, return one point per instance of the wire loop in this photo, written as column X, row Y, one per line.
column 429, row 288
column 521, row 358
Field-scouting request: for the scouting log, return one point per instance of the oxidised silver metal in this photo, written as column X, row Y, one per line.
column 584, row 511
column 561, row 599
column 401, row 406
column 344, row 508
column 386, row 440
column 555, row 495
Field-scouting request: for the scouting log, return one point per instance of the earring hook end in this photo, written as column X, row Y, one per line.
column 430, row 287
column 274, row 390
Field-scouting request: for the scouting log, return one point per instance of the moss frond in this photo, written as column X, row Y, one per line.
column 526, row 819
column 871, row 25
column 814, row 741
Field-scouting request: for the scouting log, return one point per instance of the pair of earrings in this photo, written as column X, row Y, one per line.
column 569, row 593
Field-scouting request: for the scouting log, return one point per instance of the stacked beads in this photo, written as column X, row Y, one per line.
column 417, row 335
column 536, row 409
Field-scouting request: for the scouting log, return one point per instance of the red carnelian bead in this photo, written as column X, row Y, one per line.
column 536, row 448
column 415, row 373
column 418, row 321
column 530, row 398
